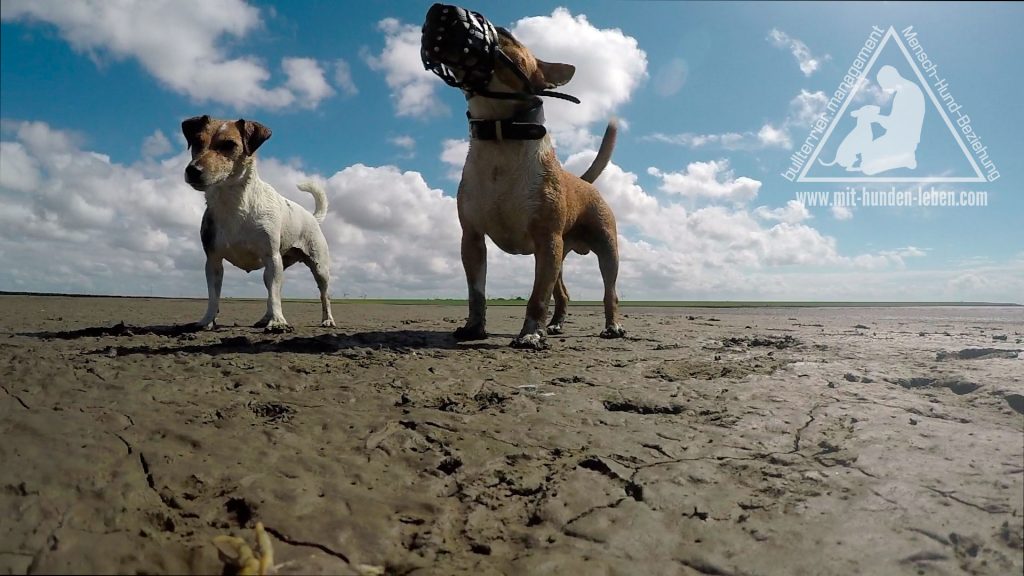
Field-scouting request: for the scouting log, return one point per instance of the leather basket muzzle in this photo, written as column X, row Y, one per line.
column 460, row 46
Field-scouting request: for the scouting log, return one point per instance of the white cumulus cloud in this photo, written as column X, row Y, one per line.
column 156, row 145
column 404, row 141
column 713, row 179
column 671, row 77
column 343, row 77
column 19, row 171
column 412, row 87
column 453, row 153
column 183, row 43
column 842, row 212
column 793, row 212
column 609, row 67
column 809, row 63
column 804, row 109
column 306, row 81
column 771, row 137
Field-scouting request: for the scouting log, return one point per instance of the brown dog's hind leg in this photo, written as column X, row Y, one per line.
column 608, row 259
column 547, row 268
column 474, row 262
column 561, row 306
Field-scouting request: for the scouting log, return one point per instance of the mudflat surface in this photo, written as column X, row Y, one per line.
column 710, row 441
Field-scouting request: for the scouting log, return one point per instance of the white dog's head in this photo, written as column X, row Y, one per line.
column 222, row 150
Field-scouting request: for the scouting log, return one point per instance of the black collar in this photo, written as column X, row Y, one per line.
column 526, row 125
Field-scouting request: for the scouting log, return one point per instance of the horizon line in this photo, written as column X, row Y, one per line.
column 522, row 301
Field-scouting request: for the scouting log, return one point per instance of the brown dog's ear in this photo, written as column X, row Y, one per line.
column 253, row 134
column 192, row 127
column 555, row 74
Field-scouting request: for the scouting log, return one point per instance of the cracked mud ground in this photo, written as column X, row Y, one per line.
column 742, row 441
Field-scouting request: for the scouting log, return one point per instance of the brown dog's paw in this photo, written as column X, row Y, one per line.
column 613, row 331
column 476, row 332
column 534, row 341
column 555, row 328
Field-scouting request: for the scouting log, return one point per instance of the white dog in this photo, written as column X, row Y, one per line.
column 246, row 221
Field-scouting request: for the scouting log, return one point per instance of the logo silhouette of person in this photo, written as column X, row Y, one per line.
column 897, row 147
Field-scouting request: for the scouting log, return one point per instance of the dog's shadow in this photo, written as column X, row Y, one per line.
column 118, row 330
column 258, row 342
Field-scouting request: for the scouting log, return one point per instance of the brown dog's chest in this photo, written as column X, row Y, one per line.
column 501, row 192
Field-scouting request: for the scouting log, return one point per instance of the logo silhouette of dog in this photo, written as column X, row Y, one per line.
column 858, row 140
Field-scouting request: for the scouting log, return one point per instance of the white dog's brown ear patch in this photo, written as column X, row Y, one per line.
column 192, row 127
column 555, row 74
column 253, row 134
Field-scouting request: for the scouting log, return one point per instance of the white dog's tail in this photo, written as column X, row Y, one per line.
column 604, row 154
column 319, row 196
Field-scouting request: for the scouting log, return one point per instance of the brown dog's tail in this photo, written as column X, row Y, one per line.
column 604, row 154
column 318, row 196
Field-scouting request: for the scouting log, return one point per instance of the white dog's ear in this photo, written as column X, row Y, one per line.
column 253, row 133
column 555, row 74
column 192, row 127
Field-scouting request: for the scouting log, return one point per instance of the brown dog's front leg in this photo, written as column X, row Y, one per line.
column 474, row 261
column 561, row 306
column 548, row 266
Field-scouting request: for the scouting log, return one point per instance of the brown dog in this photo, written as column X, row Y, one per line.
column 514, row 190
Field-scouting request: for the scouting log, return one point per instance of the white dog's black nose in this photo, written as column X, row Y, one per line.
column 193, row 173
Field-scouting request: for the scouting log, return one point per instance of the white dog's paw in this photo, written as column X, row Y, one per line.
column 328, row 323
column 532, row 341
column 206, row 324
column 278, row 327
column 613, row 331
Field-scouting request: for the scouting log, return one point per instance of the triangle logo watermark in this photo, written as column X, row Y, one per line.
column 884, row 147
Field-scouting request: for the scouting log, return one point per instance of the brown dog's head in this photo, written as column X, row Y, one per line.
column 542, row 75
column 468, row 52
column 222, row 150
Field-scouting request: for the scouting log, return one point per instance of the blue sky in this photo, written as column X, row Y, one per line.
column 715, row 96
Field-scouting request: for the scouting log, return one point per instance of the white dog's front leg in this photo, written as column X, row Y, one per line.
column 273, row 277
column 214, row 280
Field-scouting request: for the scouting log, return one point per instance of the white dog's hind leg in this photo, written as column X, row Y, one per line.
column 322, row 276
column 273, row 277
column 318, row 260
column 214, row 280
